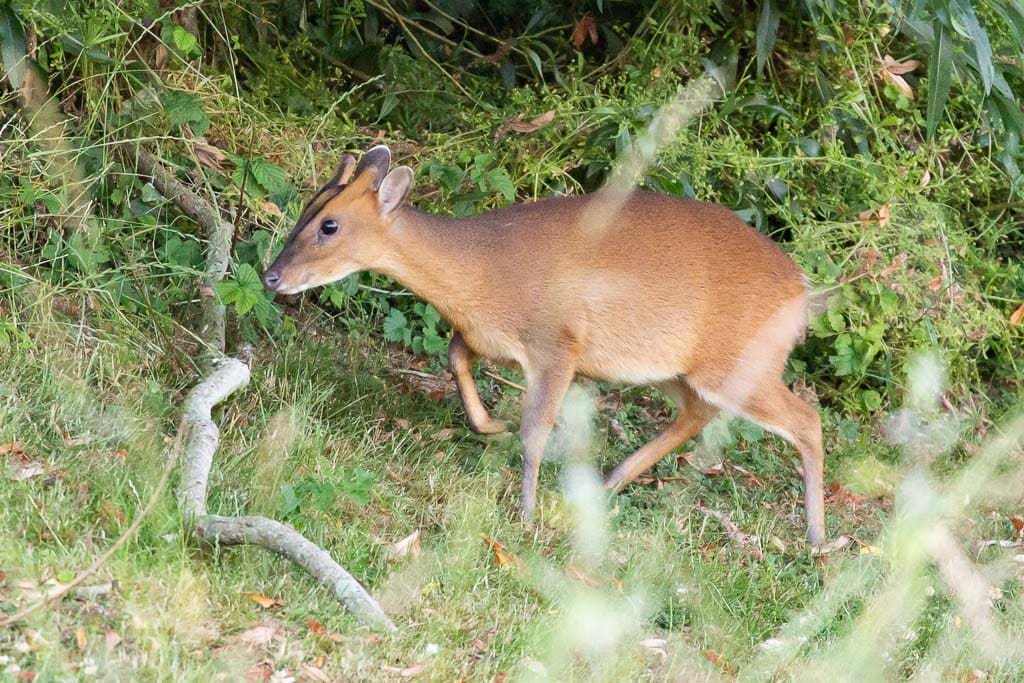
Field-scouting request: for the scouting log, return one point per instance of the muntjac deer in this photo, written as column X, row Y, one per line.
column 634, row 287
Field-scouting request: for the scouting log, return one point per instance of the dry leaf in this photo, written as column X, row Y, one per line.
column 121, row 454
column 15, row 447
column 259, row 635
column 1017, row 317
column 411, row 671
column 26, row 470
column 410, row 545
column 80, row 639
column 837, row 494
column 584, row 27
column 750, row 542
column 316, row 627
column 892, row 71
column 1018, row 523
column 935, row 284
column 534, row 124
column 314, row 673
column 578, row 574
column 831, row 546
column 262, row 600
column 112, row 639
column 443, row 434
column 478, row 644
column 502, row 558
column 272, row 208
column 870, row 550
column 208, row 155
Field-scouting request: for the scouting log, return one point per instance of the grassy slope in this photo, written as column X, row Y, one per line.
column 331, row 403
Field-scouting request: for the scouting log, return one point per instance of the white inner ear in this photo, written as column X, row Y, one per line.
column 393, row 189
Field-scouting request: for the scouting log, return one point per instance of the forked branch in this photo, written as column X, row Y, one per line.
column 201, row 435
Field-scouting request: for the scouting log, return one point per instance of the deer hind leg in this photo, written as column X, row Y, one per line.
column 460, row 357
column 777, row 409
column 693, row 413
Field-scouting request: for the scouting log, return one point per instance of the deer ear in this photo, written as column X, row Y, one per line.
column 376, row 159
column 344, row 172
column 393, row 189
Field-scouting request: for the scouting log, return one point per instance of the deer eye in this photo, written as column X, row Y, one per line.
column 329, row 227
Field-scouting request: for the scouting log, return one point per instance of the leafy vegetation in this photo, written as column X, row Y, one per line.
column 878, row 142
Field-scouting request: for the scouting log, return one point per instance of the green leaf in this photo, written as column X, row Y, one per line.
column 289, row 501
column 186, row 43
column 871, row 400
column 767, row 29
column 395, row 325
column 185, row 107
column 14, row 48
column 271, row 177
column 982, row 47
column 434, row 343
column 248, row 278
column 500, row 181
column 227, row 291
column 940, row 74
column 357, row 486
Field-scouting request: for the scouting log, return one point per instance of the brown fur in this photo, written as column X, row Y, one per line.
column 640, row 288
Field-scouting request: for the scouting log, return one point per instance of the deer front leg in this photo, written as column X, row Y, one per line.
column 545, row 388
column 460, row 357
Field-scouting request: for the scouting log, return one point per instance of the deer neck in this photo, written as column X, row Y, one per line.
column 441, row 259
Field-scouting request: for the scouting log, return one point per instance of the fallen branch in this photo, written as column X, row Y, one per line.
column 219, row 233
column 201, row 436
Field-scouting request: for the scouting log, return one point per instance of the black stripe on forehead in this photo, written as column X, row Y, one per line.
column 312, row 208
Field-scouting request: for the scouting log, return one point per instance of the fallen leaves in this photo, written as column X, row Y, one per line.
column 585, row 27
column 408, row 546
column 748, row 542
column 502, row 557
column 518, row 125
column 208, row 155
column 22, row 466
column 263, row 601
column 259, row 636
column 832, row 546
column 879, row 215
column 893, row 71
column 837, row 494
column 1017, row 317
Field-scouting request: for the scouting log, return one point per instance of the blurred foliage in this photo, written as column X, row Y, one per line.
column 878, row 140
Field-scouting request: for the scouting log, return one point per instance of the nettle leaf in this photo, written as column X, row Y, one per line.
column 248, row 277
column 433, row 343
column 357, row 486
column 271, row 177
column 227, row 291
column 186, row 108
column 395, row 326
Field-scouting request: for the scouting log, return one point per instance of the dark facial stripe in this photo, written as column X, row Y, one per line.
column 324, row 195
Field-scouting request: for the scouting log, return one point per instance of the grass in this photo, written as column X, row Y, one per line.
column 360, row 441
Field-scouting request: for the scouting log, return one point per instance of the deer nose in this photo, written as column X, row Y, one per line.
column 271, row 279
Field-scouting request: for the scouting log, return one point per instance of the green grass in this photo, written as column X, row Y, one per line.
column 359, row 442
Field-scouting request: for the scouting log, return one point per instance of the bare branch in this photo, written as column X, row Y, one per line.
column 286, row 541
column 219, row 233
